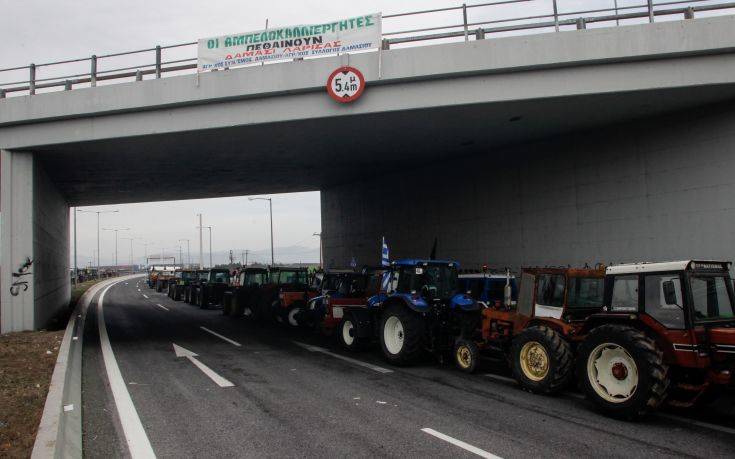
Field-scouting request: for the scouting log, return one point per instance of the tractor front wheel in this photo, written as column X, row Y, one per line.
column 622, row 371
column 347, row 334
column 466, row 355
column 542, row 360
column 400, row 334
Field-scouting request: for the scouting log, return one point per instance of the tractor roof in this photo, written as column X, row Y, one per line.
column 633, row 268
column 416, row 262
column 484, row 276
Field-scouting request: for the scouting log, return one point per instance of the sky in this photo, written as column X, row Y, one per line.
column 44, row 31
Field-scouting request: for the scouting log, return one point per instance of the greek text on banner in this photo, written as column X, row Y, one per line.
column 343, row 36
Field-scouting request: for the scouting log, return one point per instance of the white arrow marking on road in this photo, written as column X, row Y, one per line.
column 219, row 380
column 224, row 338
column 342, row 357
column 461, row 444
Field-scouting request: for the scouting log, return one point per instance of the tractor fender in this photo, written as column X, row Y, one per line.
column 364, row 322
column 597, row 320
column 375, row 301
column 414, row 303
column 463, row 302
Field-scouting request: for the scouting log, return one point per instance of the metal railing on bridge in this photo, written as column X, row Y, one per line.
column 554, row 20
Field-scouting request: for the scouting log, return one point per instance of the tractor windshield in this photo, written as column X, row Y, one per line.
column 431, row 280
column 253, row 279
column 711, row 298
column 292, row 277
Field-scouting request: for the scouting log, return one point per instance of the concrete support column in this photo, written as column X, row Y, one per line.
column 16, row 276
column 35, row 282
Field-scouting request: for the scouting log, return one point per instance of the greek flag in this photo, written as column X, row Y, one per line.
column 384, row 258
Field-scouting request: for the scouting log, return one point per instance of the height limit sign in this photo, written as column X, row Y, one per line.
column 346, row 84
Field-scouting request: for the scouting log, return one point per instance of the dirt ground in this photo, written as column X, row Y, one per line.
column 27, row 361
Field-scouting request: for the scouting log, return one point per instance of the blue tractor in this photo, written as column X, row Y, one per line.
column 422, row 309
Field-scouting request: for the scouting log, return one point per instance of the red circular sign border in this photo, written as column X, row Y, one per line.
column 358, row 94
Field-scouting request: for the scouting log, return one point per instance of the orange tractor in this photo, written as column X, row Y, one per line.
column 637, row 334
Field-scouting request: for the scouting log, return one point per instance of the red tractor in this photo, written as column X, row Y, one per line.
column 638, row 334
column 342, row 306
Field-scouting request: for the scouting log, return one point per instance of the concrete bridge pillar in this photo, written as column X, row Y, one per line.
column 34, row 245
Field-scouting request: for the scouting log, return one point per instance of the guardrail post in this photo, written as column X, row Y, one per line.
column 689, row 13
column 480, row 34
column 138, row 75
column 67, row 85
column 93, row 71
column 650, row 11
column 581, row 24
column 464, row 21
column 556, row 16
column 385, row 44
column 158, row 61
column 32, row 79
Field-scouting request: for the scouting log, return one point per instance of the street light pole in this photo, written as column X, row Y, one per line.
column 98, row 212
column 211, row 265
column 188, row 252
column 321, row 255
column 201, row 251
column 270, row 206
column 116, row 230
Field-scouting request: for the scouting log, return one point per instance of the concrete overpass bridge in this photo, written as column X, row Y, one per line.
column 598, row 145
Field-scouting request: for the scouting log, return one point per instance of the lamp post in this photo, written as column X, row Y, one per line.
column 98, row 212
column 321, row 255
column 211, row 265
column 270, row 206
column 188, row 252
column 116, row 230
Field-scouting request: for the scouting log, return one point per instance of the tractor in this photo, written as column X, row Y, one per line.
column 191, row 288
column 343, row 306
column 288, row 293
column 416, row 308
column 637, row 334
column 180, row 281
column 210, row 289
column 239, row 299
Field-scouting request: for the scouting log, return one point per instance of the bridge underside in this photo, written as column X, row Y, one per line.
column 321, row 153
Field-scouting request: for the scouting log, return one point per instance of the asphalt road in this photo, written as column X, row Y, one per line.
column 288, row 400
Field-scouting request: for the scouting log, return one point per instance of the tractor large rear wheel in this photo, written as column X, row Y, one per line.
column 622, row 371
column 401, row 334
column 542, row 361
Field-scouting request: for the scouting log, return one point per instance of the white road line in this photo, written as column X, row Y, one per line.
column 224, row 338
column 706, row 425
column 460, row 443
column 341, row 357
column 145, row 296
column 162, row 306
column 500, row 378
column 135, row 436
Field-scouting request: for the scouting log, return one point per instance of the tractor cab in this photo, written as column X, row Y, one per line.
column 292, row 291
column 217, row 276
column 423, row 283
column 252, row 277
column 689, row 308
column 494, row 290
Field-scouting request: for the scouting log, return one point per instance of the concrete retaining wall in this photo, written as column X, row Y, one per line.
column 656, row 189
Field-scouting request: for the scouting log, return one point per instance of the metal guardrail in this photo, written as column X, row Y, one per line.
column 554, row 20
